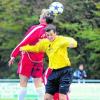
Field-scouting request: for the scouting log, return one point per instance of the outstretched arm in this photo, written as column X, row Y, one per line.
column 73, row 44
column 11, row 61
column 29, row 48
column 70, row 42
column 39, row 47
column 31, row 37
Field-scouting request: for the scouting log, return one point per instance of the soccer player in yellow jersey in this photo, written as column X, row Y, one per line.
column 55, row 46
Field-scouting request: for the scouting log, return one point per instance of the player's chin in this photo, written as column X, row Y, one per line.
column 51, row 39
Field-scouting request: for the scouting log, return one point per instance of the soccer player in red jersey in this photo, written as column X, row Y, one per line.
column 31, row 64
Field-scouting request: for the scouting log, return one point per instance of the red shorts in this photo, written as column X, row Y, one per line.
column 28, row 68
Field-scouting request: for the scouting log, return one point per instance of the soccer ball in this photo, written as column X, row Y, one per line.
column 56, row 8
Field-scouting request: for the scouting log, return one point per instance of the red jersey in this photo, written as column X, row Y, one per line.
column 33, row 35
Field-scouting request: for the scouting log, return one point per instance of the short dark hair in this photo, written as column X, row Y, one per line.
column 50, row 27
column 49, row 19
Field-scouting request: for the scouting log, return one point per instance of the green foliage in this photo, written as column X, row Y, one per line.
column 97, row 5
column 71, row 26
column 81, row 20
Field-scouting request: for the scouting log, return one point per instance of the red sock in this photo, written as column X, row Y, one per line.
column 56, row 96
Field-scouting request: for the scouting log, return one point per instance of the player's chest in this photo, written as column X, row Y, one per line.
column 52, row 47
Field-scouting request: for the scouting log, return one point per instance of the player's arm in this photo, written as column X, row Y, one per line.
column 73, row 43
column 39, row 47
column 11, row 61
column 70, row 42
column 85, row 75
column 30, row 38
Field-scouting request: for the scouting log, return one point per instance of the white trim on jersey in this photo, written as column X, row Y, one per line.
column 27, row 37
column 45, row 76
column 21, row 65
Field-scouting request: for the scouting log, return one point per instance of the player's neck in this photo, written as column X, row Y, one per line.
column 43, row 23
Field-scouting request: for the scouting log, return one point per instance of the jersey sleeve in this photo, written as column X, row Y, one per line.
column 39, row 47
column 31, row 37
column 70, row 42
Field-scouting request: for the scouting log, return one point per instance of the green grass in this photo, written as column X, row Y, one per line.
column 85, row 91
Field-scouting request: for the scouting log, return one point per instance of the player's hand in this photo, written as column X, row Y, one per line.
column 11, row 61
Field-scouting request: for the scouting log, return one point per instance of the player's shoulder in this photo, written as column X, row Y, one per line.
column 41, row 25
column 36, row 26
column 66, row 38
column 44, row 42
column 62, row 37
column 33, row 26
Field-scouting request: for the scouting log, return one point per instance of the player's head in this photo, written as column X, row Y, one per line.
column 81, row 67
column 50, row 32
column 45, row 17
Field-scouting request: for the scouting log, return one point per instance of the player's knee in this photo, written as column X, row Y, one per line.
column 62, row 96
column 48, row 97
column 23, row 83
column 38, row 82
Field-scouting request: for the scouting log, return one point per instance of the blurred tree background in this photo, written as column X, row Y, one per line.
column 80, row 19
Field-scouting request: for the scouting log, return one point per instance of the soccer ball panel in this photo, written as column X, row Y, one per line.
column 60, row 10
column 56, row 8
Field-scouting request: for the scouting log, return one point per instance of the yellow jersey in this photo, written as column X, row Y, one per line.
column 56, row 50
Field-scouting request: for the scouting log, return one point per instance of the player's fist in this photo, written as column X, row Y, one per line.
column 11, row 61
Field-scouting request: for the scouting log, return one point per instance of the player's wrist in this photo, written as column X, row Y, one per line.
column 12, row 58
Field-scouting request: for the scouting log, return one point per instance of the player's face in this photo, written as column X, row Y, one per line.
column 51, row 35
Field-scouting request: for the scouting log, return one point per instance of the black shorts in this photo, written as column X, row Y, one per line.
column 59, row 81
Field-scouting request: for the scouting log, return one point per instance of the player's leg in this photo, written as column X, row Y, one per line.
column 52, row 85
column 24, row 71
column 56, row 96
column 62, row 96
column 40, row 88
column 48, row 96
column 46, row 75
column 23, row 87
column 38, row 82
column 67, row 96
column 65, row 82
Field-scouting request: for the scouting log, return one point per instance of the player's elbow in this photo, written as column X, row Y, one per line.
column 73, row 45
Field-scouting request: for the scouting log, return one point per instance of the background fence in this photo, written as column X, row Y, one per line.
column 88, row 90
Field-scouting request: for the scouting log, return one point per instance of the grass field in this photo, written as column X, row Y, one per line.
column 85, row 91
column 78, row 91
